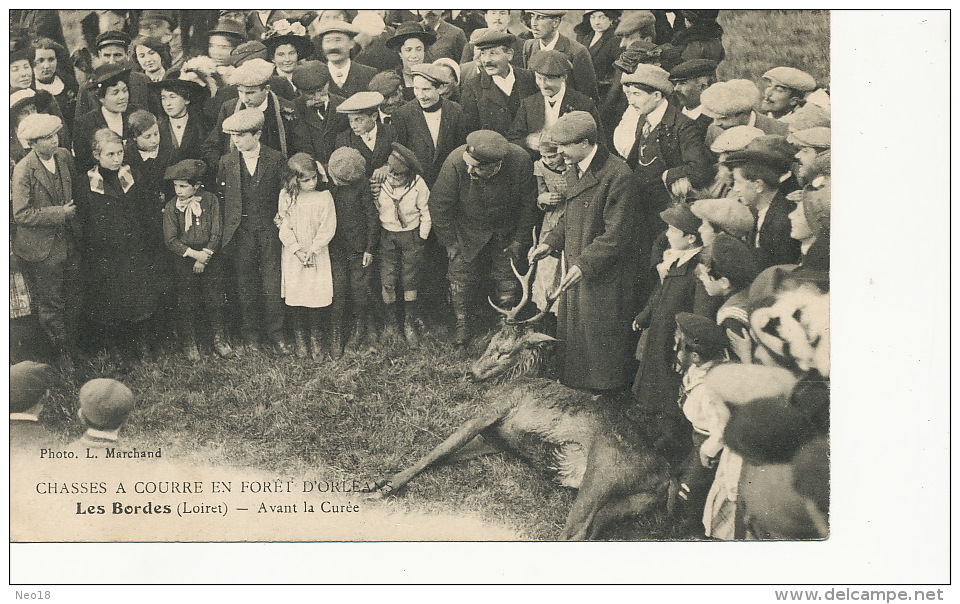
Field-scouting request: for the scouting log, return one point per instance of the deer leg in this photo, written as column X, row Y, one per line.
column 453, row 444
column 478, row 447
column 631, row 505
column 599, row 482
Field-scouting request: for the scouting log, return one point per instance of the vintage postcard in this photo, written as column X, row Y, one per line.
column 612, row 234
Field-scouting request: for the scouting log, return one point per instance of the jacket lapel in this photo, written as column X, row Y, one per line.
column 43, row 175
column 493, row 92
column 589, row 178
column 422, row 126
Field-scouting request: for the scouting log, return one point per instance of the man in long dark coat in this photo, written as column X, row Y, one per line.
column 596, row 234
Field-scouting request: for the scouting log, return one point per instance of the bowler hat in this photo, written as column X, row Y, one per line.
column 407, row 30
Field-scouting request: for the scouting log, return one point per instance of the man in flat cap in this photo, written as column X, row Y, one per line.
column 113, row 48
column 733, row 103
column 664, row 147
column 545, row 25
column 336, row 41
column 483, row 207
column 366, row 134
column 317, row 122
column 249, row 179
column 786, row 91
column 390, row 85
column 539, row 112
column 690, row 79
column 813, row 146
column 47, row 232
column 491, row 101
column 252, row 79
column 497, row 20
column 597, row 236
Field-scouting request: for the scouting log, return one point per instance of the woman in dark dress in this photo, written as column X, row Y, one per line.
column 121, row 283
column 53, row 73
column 596, row 32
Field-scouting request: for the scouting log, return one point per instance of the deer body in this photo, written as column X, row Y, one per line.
column 584, row 440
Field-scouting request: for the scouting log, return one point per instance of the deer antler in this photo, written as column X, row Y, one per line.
column 551, row 297
column 524, row 279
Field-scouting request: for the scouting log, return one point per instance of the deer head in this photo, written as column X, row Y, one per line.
column 518, row 348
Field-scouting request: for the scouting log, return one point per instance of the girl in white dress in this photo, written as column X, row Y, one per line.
column 307, row 221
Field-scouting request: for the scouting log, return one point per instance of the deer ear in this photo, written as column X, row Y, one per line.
column 536, row 339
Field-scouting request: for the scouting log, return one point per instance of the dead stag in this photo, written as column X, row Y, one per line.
column 583, row 440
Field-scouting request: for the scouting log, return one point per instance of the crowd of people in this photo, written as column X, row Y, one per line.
column 246, row 181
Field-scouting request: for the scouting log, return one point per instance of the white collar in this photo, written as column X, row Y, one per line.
column 55, row 87
column 557, row 98
column 584, row 164
column 694, row 113
column 384, row 115
column 25, row 417
column 149, row 154
column 552, row 44
column 339, row 70
column 656, row 116
column 113, row 120
column 505, row 83
column 753, row 118
column 371, row 136
column 49, row 164
column 103, row 434
column 264, row 104
column 681, row 257
column 252, row 154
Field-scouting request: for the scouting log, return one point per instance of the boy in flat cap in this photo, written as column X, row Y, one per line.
column 545, row 25
column 366, row 134
column 539, row 112
column 192, row 229
column 254, row 91
column 405, row 223
column 105, row 405
column 492, row 100
column 757, row 183
column 596, row 234
column 335, row 41
column 729, row 141
column 732, row 103
column 483, row 207
column 656, row 383
column 47, row 234
column 249, row 180
column 29, row 382
column 786, row 91
column 317, row 122
column 700, row 346
column 354, row 244
column 430, row 126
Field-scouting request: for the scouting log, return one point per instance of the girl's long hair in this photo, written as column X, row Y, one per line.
column 298, row 166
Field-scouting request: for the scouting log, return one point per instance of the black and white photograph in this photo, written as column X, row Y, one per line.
column 432, row 276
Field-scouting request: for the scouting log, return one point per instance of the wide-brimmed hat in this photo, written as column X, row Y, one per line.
column 107, row 75
column 278, row 37
column 410, row 29
column 188, row 89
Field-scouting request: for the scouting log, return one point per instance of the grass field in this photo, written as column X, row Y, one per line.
column 364, row 417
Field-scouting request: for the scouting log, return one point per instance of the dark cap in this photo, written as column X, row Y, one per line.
column 410, row 29
column 731, row 258
column 310, row 76
column 386, row 83
column 113, row 38
column 491, row 38
column 107, row 75
column 693, row 69
column 679, row 215
column 229, row 28
column 407, row 156
column 485, row 147
column 254, row 49
column 776, row 161
column 187, row 169
column 28, row 383
column 701, row 334
column 105, row 404
column 550, row 63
